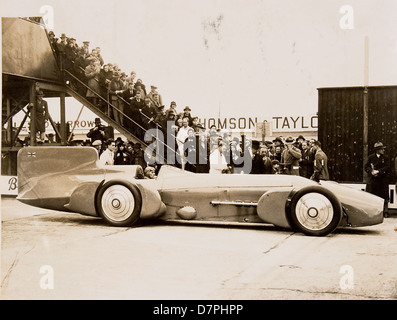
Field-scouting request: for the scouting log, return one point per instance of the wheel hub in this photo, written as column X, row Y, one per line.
column 118, row 203
column 314, row 211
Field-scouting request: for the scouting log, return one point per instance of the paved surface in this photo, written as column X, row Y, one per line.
column 52, row 255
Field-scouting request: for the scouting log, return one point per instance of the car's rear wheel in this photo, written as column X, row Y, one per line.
column 119, row 203
column 315, row 211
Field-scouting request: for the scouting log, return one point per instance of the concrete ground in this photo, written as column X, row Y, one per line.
column 55, row 255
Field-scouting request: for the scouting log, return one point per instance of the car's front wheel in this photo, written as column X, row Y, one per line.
column 315, row 211
column 119, row 203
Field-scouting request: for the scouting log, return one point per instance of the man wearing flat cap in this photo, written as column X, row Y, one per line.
column 154, row 96
column 86, row 47
column 378, row 169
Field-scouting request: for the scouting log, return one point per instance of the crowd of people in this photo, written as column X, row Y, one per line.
column 118, row 94
column 211, row 151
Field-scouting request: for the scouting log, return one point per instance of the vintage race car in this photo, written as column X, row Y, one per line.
column 70, row 179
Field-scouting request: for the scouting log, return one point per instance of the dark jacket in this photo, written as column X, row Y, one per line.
column 320, row 166
column 258, row 166
column 306, row 165
column 134, row 108
column 379, row 184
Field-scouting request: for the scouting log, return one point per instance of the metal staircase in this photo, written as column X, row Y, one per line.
column 106, row 115
column 23, row 73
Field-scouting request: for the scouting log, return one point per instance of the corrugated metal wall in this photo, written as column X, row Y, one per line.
column 341, row 127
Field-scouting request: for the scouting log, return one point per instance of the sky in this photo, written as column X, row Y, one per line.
column 234, row 58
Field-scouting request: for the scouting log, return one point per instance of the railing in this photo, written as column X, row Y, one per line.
column 112, row 107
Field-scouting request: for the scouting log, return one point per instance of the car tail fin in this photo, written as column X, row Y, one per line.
column 37, row 162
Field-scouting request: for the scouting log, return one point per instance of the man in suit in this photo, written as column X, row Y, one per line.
column 258, row 166
column 42, row 115
column 306, row 163
column 378, row 169
column 98, row 132
column 63, row 43
column 149, row 114
column 129, row 93
column 115, row 89
column 136, row 106
column 320, row 163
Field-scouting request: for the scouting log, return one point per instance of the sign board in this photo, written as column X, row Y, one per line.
column 9, row 185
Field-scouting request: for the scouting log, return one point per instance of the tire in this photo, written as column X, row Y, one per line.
column 315, row 211
column 119, row 203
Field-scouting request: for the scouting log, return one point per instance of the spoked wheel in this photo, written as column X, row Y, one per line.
column 315, row 211
column 119, row 203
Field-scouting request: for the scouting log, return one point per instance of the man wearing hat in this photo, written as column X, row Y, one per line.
column 42, row 115
column 140, row 83
column 186, row 114
column 139, row 156
column 258, row 166
column 155, row 96
column 299, row 141
column 278, row 142
column 290, row 157
column 63, row 43
column 98, row 132
column 378, row 169
column 171, row 109
column 52, row 39
column 70, row 54
column 160, row 118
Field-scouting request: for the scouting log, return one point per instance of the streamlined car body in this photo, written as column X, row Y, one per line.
column 70, row 179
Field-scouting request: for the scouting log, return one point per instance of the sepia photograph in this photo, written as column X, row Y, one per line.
column 200, row 155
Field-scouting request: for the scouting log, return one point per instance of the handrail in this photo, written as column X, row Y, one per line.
column 103, row 99
column 125, row 101
column 107, row 102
